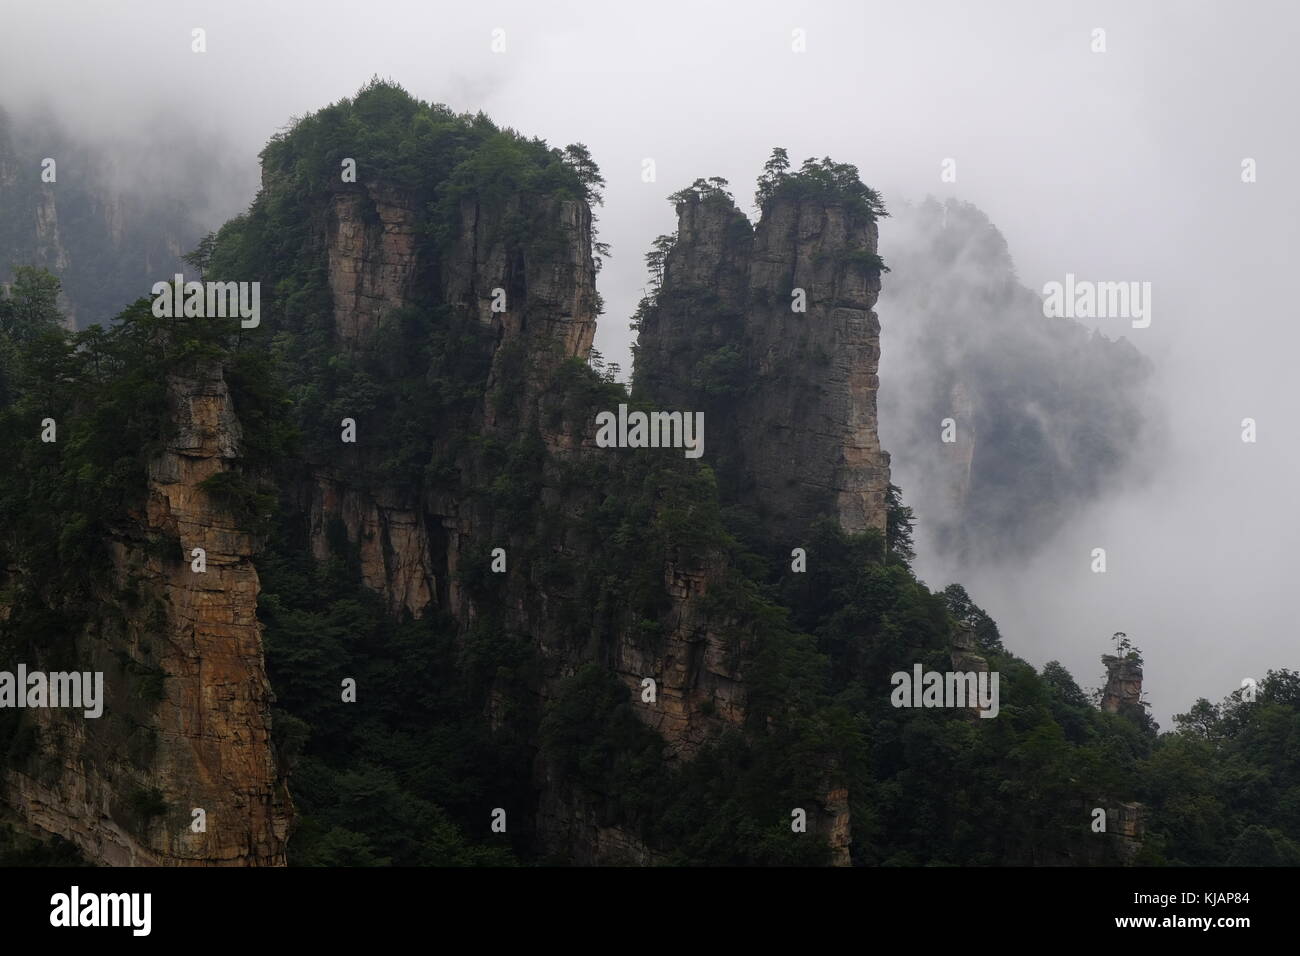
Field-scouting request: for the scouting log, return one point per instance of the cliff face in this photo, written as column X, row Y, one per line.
column 411, row 535
column 794, row 429
column 222, row 735
column 1123, row 691
column 371, row 258
column 770, row 333
column 413, row 538
column 449, row 312
column 518, row 277
column 186, row 721
column 641, row 680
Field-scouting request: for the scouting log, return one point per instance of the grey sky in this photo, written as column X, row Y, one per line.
column 1114, row 166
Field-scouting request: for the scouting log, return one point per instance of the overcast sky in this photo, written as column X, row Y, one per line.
column 1122, row 165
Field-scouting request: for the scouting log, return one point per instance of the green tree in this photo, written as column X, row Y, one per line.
column 201, row 256
column 774, row 173
column 713, row 189
column 963, row 609
column 1201, row 721
column 30, row 307
column 899, row 521
column 657, row 257
column 578, row 158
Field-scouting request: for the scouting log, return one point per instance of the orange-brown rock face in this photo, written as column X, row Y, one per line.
column 1127, row 822
column 1123, row 692
column 835, row 825
column 391, row 536
column 372, row 259
column 186, row 721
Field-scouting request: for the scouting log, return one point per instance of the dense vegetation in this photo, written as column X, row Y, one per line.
column 449, row 722
column 817, row 179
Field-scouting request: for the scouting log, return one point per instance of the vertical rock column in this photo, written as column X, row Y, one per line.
column 186, row 722
column 789, row 396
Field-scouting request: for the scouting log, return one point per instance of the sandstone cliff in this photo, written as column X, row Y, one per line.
column 1123, row 691
column 799, row 439
column 604, row 642
column 414, row 537
column 449, row 314
column 186, row 723
column 789, row 396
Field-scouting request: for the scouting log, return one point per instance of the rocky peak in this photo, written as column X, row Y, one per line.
column 536, row 299
column 187, row 721
column 1123, row 691
column 547, row 289
column 779, row 323
column 713, row 249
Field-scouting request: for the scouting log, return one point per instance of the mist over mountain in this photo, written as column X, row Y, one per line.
column 1002, row 423
column 112, row 214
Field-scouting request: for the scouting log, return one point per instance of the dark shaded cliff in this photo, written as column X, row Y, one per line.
column 769, row 331
column 99, row 529
column 474, row 428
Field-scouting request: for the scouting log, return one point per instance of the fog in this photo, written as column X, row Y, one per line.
column 1115, row 166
